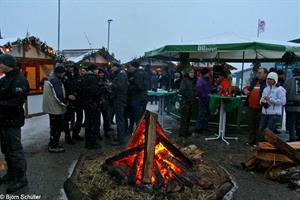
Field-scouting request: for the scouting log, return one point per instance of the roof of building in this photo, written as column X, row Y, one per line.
column 78, row 55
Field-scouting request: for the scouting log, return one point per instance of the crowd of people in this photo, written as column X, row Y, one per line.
column 70, row 93
column 195, row 88
column 268, row 94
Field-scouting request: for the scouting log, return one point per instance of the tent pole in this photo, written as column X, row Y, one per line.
column 242, row 74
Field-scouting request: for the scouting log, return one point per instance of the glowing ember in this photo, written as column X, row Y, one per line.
column 168, row 163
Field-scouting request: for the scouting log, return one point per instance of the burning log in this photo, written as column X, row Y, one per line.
column 171, row 174
column 152, row 161
column 182, row 179
column 123, row 154
column 158, row 179
column 133, row 171
column 188, row 173
column 174, row 150
column 150, row 136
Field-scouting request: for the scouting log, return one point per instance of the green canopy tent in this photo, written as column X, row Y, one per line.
column 228, row 48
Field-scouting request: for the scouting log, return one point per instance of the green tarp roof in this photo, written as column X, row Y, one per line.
column 229, row 48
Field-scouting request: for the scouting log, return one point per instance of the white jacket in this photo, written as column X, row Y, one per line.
column 277, row 100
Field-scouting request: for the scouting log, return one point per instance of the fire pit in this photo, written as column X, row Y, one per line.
column 150, row 167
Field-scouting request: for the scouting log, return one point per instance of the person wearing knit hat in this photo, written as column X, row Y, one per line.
column 91, row 98
column 59, row 69
column 116, row 66
column 187, row 90
column 55, row 105
column 272, row 76
column 14, row 89
column 9, row 61
column 92, row 67
column 119, row 87
column 272, row 100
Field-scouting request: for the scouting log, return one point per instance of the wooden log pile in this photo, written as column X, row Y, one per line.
column 279, row 160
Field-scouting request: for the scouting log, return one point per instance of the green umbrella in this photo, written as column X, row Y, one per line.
column 228, row 48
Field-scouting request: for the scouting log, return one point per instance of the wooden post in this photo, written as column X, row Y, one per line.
column 282, row 146
column 149, row 150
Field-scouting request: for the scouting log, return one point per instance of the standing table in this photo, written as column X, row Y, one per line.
column 161, row 94
column 227, row 104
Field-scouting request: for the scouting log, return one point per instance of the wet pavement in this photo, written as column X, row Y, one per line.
column 47, row 172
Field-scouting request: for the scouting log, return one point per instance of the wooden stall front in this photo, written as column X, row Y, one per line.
column 35, row 60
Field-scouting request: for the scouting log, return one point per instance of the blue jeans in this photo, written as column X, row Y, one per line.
column 119, row 108
column 267, row 121
column 203, row 115
column 293, row 125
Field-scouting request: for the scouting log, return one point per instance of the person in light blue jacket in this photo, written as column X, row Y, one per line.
column 272, row 100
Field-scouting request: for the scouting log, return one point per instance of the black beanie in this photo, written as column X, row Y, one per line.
column 92, row 67
column 118, row 65
column 59, row 68
column 8, row 60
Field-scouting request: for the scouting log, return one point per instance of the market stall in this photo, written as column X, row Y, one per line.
column 36, row 60
column 226, row 48
column 83, row 57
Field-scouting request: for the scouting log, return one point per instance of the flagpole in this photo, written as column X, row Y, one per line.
column 58, row 27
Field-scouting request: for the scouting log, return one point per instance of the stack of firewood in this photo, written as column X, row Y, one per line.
column 279, row 160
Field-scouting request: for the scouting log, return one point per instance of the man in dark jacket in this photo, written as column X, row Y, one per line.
column 106, row 98
column 254, row 92
column 292, row 107
column 139, row 82
column 119, row 88
column 187, row 91
column 72, row 83
column 91, row 94
column 13, row 93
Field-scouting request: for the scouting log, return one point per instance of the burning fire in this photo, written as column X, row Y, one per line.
column 163, row 164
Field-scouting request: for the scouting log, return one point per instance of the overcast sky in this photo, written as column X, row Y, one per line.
column 142, row 25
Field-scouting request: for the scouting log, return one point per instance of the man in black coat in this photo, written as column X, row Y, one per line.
column 91, row 96
column 139, row 82
column 106, row 98
column 72, row 83
column 119, row 87
column 14, row 89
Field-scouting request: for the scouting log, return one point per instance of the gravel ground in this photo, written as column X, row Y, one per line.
column 47, row 172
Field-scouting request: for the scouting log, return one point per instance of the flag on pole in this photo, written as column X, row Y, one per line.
column 261, row 26
column 0, row 34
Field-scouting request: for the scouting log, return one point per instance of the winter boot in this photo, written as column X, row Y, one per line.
column 69, row 140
